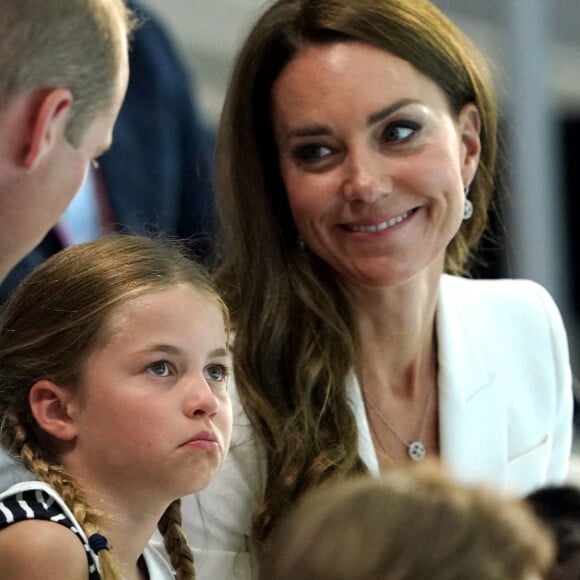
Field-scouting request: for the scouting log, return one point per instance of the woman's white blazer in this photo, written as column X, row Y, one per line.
column 505, row 409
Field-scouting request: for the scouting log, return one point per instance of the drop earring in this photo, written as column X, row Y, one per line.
column 300, row 242
column 468, row 207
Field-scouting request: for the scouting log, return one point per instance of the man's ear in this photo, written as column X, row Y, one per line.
column 469, row 129
column 48, row 124
column 53, row 408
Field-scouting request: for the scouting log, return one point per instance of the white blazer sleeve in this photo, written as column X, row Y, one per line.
column 564, row 401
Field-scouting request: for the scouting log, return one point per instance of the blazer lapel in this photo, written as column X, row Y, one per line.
column 366, row 448
column 473, row 429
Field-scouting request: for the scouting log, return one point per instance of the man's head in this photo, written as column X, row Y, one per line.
column 63, row 76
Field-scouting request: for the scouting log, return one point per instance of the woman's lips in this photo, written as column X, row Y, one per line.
column 381, row 226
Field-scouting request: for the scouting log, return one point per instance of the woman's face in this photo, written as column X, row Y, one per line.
column 373, row 161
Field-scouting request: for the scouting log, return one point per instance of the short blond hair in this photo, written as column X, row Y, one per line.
column 73, row 44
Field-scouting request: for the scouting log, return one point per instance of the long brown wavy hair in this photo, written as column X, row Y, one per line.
column 296, row 340
column 54, row 319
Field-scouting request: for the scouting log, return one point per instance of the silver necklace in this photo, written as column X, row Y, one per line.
column 415, row 449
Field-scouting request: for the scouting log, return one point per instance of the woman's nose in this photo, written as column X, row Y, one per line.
column 367, row 178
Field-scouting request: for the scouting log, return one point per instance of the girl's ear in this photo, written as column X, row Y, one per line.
column 470, row 130
column 53, row 408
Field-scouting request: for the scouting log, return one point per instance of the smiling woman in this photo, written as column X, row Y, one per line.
column 364, row 181
column 356, row 158
column 113, row 392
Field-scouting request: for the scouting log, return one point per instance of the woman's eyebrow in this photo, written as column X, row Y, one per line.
column 315, row 130
column 310, row 131
column 383, row 113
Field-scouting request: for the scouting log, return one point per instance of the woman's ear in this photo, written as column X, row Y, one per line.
column 54, row 408
column 469, row 126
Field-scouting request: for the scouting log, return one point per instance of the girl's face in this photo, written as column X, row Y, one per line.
column 153, row 412
column 373, row 161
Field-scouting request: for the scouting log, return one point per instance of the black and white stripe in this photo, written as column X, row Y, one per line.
column 39, row 505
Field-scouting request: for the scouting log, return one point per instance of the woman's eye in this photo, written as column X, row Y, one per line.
column 398, row 132
column 159, row 369
column 311, row 153
column 216, row 372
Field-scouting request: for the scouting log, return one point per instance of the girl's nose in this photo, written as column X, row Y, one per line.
column 201, row 400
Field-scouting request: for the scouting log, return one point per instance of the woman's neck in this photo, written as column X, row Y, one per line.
column 397, row 336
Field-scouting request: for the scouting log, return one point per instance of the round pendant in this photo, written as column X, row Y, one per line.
column 416, row 451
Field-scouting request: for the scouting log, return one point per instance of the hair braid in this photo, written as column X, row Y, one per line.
column 59, row 479
column 175, row 542
column 88, row 517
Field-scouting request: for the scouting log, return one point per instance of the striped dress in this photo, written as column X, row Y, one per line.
column 37, row 500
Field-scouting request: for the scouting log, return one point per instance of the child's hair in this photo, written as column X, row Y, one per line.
column 49, row 326
column 415, row 523
column 558, row 506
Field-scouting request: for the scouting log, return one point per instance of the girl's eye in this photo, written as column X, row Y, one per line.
column 311, row 153
column 159, row 369
column 216, row 372
column 399, row 132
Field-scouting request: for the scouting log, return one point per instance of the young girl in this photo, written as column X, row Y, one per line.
column 113, row 394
